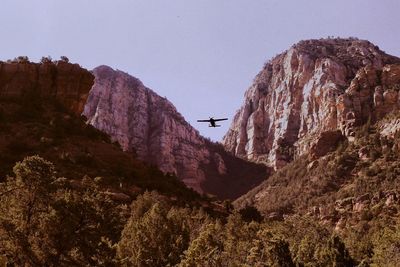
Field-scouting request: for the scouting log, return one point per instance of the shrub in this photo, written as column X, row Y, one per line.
column 21, row 59
column 64, row 59
column 250, row 213
column 46, row 60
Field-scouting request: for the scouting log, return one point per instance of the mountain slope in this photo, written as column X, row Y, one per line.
column 40, row 107
column 149, row 126
column 337, row 158
column 310, row 97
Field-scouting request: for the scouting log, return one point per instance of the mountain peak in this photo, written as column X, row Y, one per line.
column 314, row 89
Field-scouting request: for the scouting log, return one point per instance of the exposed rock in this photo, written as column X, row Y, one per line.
column 67, row 83
column 326, row 142
column 391, row 197
column 312, row 165
column 316, row 86
column 341, row 224
column 345, row 204
column 390, row 128
column 149, row 125
column 363, row 153
column 275, row 216
column 364, row 198
column 358, row 207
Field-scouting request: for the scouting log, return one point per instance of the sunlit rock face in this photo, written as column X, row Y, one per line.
column 67, row 83
column 315, row 87
column 150, row 126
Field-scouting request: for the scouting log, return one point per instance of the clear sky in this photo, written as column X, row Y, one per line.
column 200, row 54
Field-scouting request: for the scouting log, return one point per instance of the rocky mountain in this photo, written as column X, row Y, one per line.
column 326, row 115
column 311, row 97
column 354, row 190
column 40, row 114
column 150, row 126
column 67, row 83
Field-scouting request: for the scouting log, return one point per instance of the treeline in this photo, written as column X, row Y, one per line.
column 46, row 222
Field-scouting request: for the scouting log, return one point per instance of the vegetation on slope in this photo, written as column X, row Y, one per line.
column 33, row 126
column 354, row 191
column 46, row 222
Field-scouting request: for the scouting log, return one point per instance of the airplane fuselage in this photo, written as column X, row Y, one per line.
column 212, row 122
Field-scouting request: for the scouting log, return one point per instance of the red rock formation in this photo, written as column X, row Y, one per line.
column 149, row 125
column 67, row 83
column 316, row 86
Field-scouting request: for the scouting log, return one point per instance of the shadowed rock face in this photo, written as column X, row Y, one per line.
column 68, row 83
column 150, row 126
column 316, row 86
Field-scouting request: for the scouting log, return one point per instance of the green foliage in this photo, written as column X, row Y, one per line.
column 157, row 233
column 44, row 223
column 387, row 247
column 46, row 60
column 206, row 249
column 268, row 250
column 21, row 59
column 64, row 59
column 336, row 254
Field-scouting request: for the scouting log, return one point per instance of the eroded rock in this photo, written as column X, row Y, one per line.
column 315, row 88
column 68, row 83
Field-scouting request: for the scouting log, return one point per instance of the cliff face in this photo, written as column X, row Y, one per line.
column 309, row 97
column 150, row 126
column 68, row 83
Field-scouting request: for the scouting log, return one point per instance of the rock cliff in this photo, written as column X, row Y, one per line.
column 310, row 96
column 149, row 126
column 68, row 83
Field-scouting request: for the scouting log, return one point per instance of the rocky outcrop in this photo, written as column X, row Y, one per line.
column 149, row 125
column 326, row 142
column 314, row 88
column 68, row 83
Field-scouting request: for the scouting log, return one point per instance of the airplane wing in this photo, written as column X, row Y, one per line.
column 224, row 119
column 203, row 120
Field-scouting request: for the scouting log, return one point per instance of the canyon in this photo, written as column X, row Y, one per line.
column 149, row 126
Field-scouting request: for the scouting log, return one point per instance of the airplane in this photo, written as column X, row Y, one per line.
column 212, row 121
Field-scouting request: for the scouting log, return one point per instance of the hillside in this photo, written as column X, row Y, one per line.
column 312, row 96
column 40, row 115
column 85, row 202
column 344, row 168
column 73, row 198
column 149, row 126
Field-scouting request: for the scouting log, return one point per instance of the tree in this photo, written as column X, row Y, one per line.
column 269, row 250
column 64, row 59
column 250, row 213
column 43, row 222
column 387, row 247
column 157, row 233
column 335, row 253
column 21, row 59
column 206, row 249
column 238, row 238
column 46, row 60
column 25, row 209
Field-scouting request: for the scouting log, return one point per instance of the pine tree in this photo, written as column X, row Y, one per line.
column 45, row 223
column 206, row 249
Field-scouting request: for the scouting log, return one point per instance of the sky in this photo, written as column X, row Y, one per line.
column 201, row 55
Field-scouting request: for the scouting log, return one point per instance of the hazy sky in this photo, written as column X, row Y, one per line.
column 202, row 55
